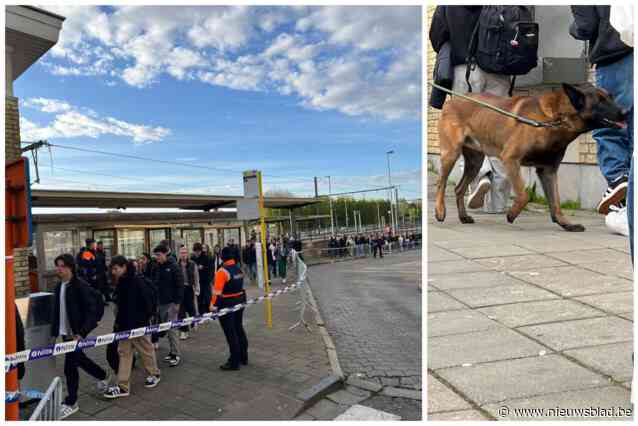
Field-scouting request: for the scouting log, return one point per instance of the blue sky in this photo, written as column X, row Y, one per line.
column 296, row 92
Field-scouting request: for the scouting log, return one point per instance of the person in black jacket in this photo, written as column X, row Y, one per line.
column 134, row 310
column 614, row 73
column 75, row 313
column 455, row 24
column 204, row 266
column 101, row 272
column 170, row 285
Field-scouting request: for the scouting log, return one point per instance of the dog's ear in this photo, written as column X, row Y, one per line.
column 575, row 95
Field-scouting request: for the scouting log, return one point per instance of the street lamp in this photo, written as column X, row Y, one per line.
column 332, row 223
column 388, row 153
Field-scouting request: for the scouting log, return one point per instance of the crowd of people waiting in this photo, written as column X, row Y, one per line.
column 148, row 290
column 359, row 245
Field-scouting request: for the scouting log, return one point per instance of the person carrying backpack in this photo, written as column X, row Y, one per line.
column 490, row 45
column 77, row 311
column 135, row 307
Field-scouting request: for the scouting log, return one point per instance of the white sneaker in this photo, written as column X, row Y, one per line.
column 477, row 197
column 67, row 410
column 616, row 220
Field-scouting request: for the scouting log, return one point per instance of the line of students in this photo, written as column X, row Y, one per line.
column 146, row 292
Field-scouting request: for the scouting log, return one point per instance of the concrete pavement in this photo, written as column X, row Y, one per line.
column 372, row 311
column 526, row 315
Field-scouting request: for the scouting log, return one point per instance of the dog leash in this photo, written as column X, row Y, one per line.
column 523, row 120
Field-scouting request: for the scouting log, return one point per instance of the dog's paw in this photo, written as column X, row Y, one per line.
column 573, row 227
column 511, row 217
column 466, row 219
column 439, row 216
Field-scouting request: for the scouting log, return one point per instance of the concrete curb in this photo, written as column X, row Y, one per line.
column 327, row 340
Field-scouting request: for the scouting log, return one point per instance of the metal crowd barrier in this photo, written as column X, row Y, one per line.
column 48, row 409
column 357, row 251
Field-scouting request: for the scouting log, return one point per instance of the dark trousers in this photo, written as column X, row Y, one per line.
column 380, row 249
column 73, row 361
column 187, row 306
column 232, row 324
column 203, row 302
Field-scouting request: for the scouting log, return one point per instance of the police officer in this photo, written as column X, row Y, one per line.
column 228, row 291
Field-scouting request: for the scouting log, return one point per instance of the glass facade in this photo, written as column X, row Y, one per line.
column 190, row 237
column 211, row 237
column 107, row 237
column 55, row 244
column 155, row 236
column 230, row 233
column 130, row 242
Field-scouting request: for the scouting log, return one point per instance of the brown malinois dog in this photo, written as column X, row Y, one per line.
column 468, row 129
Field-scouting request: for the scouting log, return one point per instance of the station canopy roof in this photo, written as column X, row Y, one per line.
column 123, row 200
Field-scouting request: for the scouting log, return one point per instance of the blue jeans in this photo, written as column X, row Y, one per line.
column 615, row 146
column 630, row 189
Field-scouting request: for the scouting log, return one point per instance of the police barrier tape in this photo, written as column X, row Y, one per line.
column 15, row 396
column 12, row 360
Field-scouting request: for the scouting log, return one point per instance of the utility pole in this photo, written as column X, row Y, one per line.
column 388, row 153
column 378, row 215
column 345, row 203
column 332, row 221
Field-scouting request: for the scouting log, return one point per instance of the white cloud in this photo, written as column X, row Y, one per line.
column 72, row 122
column 47, row 105
column 356, row 60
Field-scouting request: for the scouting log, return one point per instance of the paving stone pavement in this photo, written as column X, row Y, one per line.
column 372, row 311
column 526, row 315
column 282, row 363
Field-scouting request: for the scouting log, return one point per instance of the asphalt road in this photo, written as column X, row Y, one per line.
column 372, row 310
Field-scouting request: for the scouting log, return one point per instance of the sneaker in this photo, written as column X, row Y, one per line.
column 168, row 357
column 116, row 392
column 614, row 194
column 67, row 410
column 616, row 220
column 151, row 381
column 477, row 197
column 183, row 335
column 175, row 361
column 103, row 385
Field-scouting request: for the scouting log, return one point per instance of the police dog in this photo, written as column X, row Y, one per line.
column 468, row 129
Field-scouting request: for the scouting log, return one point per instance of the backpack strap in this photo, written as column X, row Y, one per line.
column 471, row 54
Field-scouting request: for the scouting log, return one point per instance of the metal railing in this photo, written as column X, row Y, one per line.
column 359, row 251
column 48, row 408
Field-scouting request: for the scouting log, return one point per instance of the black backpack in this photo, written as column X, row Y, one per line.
column 504, row 41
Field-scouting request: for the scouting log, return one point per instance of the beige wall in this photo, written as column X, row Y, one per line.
column 583, row 150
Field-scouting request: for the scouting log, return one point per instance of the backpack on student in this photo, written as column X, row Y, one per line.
column 504, row 41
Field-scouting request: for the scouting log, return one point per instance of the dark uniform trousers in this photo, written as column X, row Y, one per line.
column 232, row 324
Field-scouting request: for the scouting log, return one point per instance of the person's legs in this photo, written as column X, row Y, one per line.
column 227, row 323
column 72, row 378
column 498, row 196
column 147, row 353
column 125, row 350
column 89, row 366
column 630, row 189
column 172, row 313
column 241, row 336
column 614, row 145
